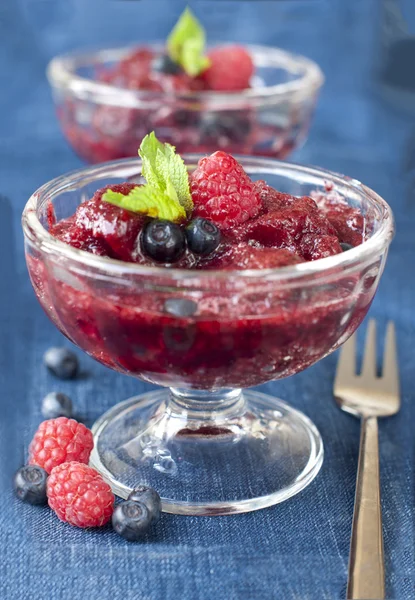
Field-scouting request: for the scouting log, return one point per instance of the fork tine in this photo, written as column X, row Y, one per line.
column 346, row 365
column 390, row 361
column 369, row 358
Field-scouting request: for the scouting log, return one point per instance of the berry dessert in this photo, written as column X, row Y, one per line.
column 191, row 96
column 225, row 331
column 215, row 218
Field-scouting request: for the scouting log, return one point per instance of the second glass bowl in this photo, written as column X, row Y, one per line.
column 103, row 122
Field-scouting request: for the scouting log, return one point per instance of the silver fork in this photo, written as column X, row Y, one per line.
column 368, row 397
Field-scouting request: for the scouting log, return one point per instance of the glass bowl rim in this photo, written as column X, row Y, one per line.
column 349, row 261
column 61, row 74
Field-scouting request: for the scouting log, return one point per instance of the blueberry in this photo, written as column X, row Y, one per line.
column 203, row 236
column 186, row 117
column 61, row 362
column 30, row 484
column 232, row 124
column 131, row 520
column 345, row 246
column 150, row 498
column 164, row 64
column 56, row 405
column 180, row 307
column 163, row 241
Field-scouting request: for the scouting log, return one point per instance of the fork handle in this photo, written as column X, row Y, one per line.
column 366, row 563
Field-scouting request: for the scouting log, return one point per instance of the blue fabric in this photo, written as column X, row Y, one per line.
column 298, row 549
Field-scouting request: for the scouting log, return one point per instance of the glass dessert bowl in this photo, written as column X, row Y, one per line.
column 105, row 120
column 204, row 442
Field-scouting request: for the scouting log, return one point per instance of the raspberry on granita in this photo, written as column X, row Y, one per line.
column 59, row 441
column 79, row 496
column 231, row 69
column 223, row 192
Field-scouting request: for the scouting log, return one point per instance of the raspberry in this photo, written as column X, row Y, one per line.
column 230, row 70
column 79, row 495
column 58, row 441
column 223, row 192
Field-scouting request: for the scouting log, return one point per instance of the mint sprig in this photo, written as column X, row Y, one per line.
column 166, row 195
column 165, row 170
column 186, row 44
column 149, row 201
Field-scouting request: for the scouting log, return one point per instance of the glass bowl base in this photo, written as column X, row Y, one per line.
column 234, row 453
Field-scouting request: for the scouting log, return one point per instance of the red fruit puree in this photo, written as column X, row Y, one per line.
column 225, row 332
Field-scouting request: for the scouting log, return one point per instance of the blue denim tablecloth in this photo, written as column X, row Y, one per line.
column 298, row 549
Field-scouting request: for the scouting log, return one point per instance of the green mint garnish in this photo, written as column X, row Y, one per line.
column 165, row 170
column 186, row 44
column 166, row 195
column 148, row 201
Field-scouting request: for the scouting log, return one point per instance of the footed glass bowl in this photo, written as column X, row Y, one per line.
column 204, row 442
column 104, row 122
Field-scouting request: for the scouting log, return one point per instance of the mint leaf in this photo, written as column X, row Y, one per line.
column 167, row 192
column 165, row 170
column 149, row 201
column 186, row 44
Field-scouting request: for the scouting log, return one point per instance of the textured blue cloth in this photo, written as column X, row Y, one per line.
column 295, row 550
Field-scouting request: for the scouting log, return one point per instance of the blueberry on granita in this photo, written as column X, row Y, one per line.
column 164, row 64
column 203, row 236
column 234, row 125
column 163, row 241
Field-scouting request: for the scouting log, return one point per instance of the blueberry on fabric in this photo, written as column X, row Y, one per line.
column 131, row 520
column 61, row 362
column 150, row 498
column 30, row 484
column 56, row 404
